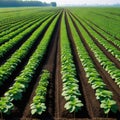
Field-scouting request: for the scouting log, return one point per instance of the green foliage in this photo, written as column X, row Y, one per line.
column 70, row 89
column 38, row 106
column 22, row 81
column 109, row 105
column 5, row 105
column 104, row 96
column 11, row 64
column 73, row 105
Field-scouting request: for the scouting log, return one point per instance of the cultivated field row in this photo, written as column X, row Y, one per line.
column 59, row 64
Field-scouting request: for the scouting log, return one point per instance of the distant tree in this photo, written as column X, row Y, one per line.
column 20, row 3
column 54, row 4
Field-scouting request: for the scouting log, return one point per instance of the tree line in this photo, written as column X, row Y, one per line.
column 19, row 3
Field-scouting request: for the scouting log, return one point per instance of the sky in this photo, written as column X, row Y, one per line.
column 81, row 2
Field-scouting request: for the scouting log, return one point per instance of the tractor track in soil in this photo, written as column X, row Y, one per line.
column 106, row 78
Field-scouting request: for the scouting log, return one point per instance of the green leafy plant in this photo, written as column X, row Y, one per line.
column 38, row 106
column 73, row 105
column 109, row 105
column 22, row 81
column 70, row 89
column 5, row 105
column 104, row 95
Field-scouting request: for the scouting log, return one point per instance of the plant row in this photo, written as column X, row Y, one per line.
column 26, row 76
column 38, row 105
column 20, row 26
column 109, row 25
column 106, row 37
column 13, row 34
column 104, row 95
column 13, row 31
column 109, row 66
column 11, row 64
column 10, row 18
column 70, row 89
column 16, row 40
column 109, row 47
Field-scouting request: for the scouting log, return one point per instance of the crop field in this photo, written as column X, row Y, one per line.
column 60, row 63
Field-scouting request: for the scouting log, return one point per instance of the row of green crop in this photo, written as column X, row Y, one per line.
column 109, row 25
column 18, row 25
column 70, row 89
column 16, row 40
column 13, row 34
column 101, row 57
column 11, row 64
column 109, row 47
column 26, row 76
column 38, row 105
column 16, row 17
column 104, row 34
column 104, row 95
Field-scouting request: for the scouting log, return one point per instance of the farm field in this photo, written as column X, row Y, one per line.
column 60, row 63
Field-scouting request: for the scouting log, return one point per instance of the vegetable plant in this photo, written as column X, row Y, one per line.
column 38, row 106
column 70, row 91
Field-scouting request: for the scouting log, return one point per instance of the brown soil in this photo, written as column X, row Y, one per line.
column 58, row 82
